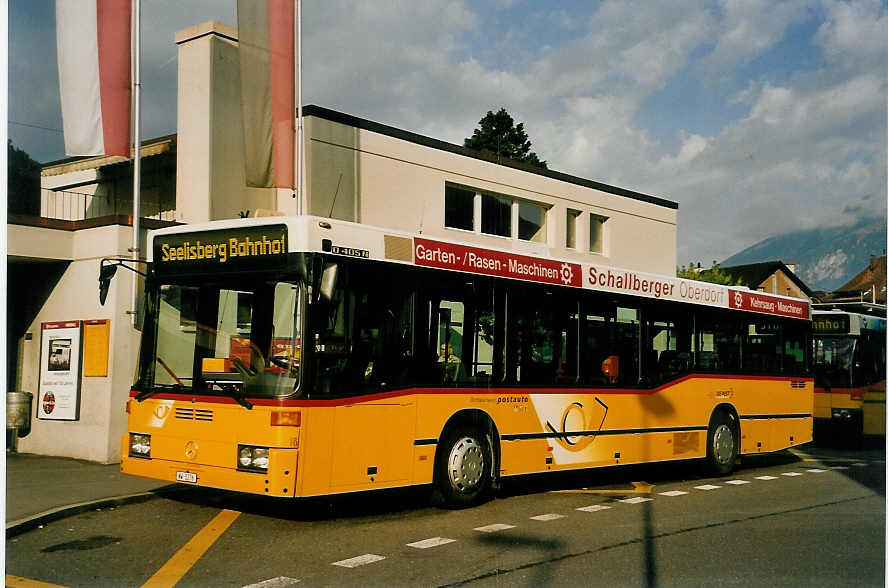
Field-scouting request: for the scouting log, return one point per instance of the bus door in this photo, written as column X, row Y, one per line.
column 363, row 350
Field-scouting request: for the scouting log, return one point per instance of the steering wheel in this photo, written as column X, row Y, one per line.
column 285, row 362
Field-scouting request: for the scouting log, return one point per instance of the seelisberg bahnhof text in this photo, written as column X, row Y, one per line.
column 224, row 250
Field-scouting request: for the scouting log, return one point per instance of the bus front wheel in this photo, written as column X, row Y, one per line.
column 463, row 467
column 722, row 443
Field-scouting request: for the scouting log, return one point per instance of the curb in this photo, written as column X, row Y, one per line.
column 17, row 527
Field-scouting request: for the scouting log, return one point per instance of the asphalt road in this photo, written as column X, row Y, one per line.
column 814, row 516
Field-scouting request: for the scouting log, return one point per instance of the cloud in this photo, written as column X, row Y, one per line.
column 853, row 34
column 747, row 29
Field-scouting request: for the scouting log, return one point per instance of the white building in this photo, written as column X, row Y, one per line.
column 355, row 169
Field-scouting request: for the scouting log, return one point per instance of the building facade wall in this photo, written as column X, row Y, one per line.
column 779, row 283
column 386, row 181
column 95, row 436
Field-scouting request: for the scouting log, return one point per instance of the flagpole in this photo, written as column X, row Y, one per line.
column 137, row 147
column 299, row 130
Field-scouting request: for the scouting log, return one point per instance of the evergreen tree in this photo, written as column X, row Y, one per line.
column 23, row 182
column 498, row 135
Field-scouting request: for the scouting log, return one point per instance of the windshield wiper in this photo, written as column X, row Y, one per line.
column 232, row 391
column 157, row 388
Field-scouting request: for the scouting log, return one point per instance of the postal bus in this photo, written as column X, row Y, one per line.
column 849, row 373
column 304, row 356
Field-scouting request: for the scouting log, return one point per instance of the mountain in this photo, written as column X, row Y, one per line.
column 825, row 258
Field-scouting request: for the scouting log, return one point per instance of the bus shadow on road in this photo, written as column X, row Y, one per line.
column 609, row 478
column 344, row 506
column 393, row 501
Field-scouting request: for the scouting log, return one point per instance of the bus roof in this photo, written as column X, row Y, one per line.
column 241, row 242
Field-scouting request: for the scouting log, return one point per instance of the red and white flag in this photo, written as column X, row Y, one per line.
column 267, row 62
column 94, row 52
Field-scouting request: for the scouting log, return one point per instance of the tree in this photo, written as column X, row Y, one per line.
column 23, row 182
column 714, row 275
column 498, row 135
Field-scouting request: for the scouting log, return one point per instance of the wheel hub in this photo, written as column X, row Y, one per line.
column 723, row 444
column 466, row 461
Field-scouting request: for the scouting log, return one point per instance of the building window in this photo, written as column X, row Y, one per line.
column 531, row 222
column 459, row 208
column 496, row 215
column 596, row 233
column 571, row 229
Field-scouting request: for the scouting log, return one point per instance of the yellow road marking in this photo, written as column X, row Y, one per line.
column 178, row 565
column 637, row 488
column 19, row 582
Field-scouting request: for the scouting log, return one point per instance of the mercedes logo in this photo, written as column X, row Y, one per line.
column 190, row 450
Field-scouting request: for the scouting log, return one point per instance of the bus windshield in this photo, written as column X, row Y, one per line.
column 238, row 339
column 833, row 359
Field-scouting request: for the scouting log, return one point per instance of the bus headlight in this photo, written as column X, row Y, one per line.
column 252, row 459
column 140, row 445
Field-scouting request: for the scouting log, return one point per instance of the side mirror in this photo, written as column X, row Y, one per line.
column 106, row 272
column 328, row 281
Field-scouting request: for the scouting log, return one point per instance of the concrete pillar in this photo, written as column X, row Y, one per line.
column 210, row 153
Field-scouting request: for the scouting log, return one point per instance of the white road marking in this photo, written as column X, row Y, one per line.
column 815, row 471
column 766, row 477
column 636, row 500
column 737, row 482
column 791, row 474
column 860, row 464
column 672, row 493
column 361, row 560
column 593, row 508
column 706, row 487
column 279, row 582
column 838, row 467
column 494, row 528
column 433, row 542
column 547, row 517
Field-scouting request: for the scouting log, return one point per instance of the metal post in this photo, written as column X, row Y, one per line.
column 300, row 141
column 137, row 147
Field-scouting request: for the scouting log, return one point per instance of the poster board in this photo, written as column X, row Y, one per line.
column 58, row 398
column 96, row 339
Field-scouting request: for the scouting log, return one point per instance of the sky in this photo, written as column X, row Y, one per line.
column 757, row 117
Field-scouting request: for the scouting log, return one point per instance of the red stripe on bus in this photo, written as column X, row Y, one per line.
column 343, row 401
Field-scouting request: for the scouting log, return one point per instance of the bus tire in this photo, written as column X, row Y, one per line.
column 722, row 443
column 462, row 467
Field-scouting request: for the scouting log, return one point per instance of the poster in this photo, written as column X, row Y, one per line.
column 58, row 398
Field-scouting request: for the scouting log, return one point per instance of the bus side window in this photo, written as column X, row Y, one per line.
column 627, row 345
column 595, row 344
column 794, row 348
column 529, row 342
column 668, row 346
column 449, row 341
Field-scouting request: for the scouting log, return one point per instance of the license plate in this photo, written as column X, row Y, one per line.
column 190, row 477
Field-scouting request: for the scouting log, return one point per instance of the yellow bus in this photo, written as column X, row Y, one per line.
column 849, row 373
column 309, row 356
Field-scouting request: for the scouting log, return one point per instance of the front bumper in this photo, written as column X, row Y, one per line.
column 279, row 480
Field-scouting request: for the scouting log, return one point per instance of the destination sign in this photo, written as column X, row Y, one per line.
column 248, row 246
column 831, row 324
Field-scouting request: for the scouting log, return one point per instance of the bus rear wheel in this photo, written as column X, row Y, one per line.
column 463, row 467
column 722, row 444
